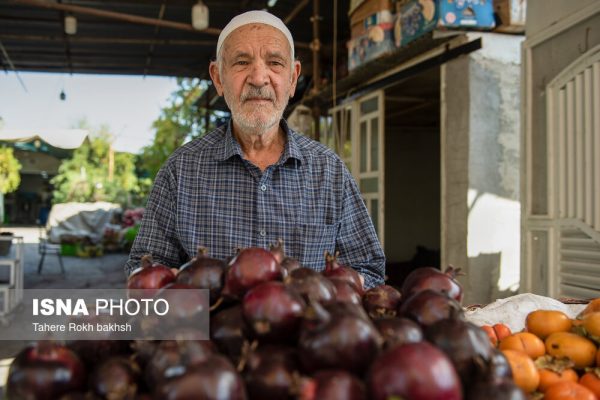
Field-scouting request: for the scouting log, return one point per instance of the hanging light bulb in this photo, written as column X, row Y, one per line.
column 70, row 25
column 200, row 16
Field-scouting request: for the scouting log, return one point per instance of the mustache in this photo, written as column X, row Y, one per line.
column 257, row 93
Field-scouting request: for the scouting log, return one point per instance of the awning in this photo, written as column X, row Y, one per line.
column 68, row 139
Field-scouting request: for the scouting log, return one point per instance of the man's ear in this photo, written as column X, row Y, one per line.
column 213, row 70
column 295, row 74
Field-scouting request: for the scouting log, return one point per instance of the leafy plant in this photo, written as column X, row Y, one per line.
column 96, row 173
column 9, row 170
column 182, row 120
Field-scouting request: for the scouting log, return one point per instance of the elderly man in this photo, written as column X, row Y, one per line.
column 254, row 180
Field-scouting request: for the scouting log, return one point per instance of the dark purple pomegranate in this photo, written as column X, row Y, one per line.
column 173, row 358
column 432, row 278
column 188, row 307
column 334, row 270
column 346, row 292
column 116, row 378
column 337, row 338
column 229, row 331
column 287, row 263
column 429, row 306
column 417, row 371
column 333, row 385
column 271, row 372
column 249, row 268
column 216, row 378
column 43, row 371
column 396, row 331
column 502, row 390
column 273, row 311
column 311, row 286
column 381, row 301
column 148, row 278
column 463, row 342
column 203, row 272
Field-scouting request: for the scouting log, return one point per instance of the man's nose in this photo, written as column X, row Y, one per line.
column 258, row 74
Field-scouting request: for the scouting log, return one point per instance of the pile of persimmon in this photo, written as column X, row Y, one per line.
column 554, row 357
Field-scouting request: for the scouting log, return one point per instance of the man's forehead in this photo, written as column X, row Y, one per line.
column 238, row 38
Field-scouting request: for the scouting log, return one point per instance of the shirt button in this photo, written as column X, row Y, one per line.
column 262, row 233
column 263, row 187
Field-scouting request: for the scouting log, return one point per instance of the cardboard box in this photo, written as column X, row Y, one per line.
column 367, row 8
column 417, row 17
column 466, row 14
column 510, row 15
column 380, row 17
column 379, row 40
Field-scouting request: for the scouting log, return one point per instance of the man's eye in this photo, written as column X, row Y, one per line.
column 241, row 63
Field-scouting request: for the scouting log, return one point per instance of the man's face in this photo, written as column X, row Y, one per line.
column 257, row 76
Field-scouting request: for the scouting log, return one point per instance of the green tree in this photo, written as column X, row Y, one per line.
column 96, row 172
column 9, row 170
column 182, row 120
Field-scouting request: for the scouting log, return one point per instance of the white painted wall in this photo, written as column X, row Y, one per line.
column 490, row 172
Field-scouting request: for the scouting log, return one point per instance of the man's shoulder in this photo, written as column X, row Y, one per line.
column 206, row 144
column 314, row 150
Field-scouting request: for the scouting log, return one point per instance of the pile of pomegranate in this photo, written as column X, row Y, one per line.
column 281, row 331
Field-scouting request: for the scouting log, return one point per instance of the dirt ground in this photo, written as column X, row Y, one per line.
column 104, row 272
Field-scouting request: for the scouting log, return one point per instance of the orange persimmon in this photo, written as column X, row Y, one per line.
column 567, row 390
column 544, row 322
column 578, row 349
column 526, row 342
column 591, row 323
column 593, row 306
column 525, row 373
column 501, row 330
column 549, row 377
column 491, row 334
column 591, row 380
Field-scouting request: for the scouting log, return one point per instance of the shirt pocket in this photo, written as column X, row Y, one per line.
column 311, row 241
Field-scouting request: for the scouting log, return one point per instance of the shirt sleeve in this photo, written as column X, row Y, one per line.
column 157, row 235
column 357, row 240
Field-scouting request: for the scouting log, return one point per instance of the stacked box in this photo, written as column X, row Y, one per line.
column 378, row 41
column 417, row 17
column 365, row 10
column 467, row 14
column 414, row 20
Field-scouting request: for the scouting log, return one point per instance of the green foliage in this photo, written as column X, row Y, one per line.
column 182, row 120
column 87, row 175
column 9, row 171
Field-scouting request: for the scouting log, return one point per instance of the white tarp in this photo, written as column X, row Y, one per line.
column 80, row 219
column 513, row 310
column 61, row 138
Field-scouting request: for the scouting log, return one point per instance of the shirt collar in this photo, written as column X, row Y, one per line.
column 230, row 147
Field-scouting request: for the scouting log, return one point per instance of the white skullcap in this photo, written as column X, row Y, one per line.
column 255, row 17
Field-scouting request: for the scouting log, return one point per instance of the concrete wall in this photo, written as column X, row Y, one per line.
column 482, row 153
column 412, row 192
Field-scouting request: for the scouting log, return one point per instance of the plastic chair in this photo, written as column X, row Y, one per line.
column 47, row 247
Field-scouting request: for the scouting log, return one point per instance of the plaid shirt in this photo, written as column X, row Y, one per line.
column 208, row 195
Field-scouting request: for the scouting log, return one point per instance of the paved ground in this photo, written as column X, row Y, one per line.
column 103, row 272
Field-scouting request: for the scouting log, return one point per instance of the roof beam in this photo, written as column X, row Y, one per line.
column 101, row 40
column 135, row 19
column 295, row 11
